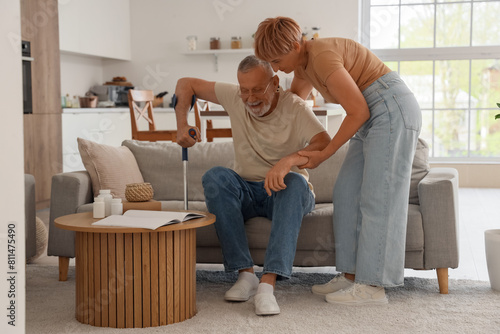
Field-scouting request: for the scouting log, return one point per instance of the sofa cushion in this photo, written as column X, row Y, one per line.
column 109, row 167
column 161, row 165
column 420, row 168
column 324, row 176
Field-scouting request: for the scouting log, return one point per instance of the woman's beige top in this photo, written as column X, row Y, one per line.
column 326, row 55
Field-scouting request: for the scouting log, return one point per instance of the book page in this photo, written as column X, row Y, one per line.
column 147, row 219
column 166, row 215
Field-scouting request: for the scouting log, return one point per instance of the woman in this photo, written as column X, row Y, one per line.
column 382, row 122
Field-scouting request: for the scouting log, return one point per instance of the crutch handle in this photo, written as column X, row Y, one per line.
column 192, row 133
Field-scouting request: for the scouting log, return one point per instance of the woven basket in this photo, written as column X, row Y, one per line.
column 139, row 192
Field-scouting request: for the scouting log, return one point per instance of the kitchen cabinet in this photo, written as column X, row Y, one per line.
column 42, row 128
column 95, row 28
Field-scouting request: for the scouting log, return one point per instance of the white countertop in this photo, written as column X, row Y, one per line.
column 332, row 109
column 108, row 110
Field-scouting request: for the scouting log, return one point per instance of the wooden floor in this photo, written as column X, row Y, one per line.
column 478, row 210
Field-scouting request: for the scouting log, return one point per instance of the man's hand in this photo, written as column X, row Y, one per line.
column 183, row 137
column 275, row 177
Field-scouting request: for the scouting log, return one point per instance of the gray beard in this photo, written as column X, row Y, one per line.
column 265, row 108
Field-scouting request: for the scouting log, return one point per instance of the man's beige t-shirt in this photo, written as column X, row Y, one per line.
column 326, row 55
column 260, row 142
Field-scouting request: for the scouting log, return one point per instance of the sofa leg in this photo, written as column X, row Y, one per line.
column 442, row 274
column 63, row 268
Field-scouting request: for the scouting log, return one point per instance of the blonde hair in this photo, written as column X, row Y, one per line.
column 275, row 37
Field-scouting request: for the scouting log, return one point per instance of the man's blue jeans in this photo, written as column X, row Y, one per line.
column 233, row 201
column 371, row 193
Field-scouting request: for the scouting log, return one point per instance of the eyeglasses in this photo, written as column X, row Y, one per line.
column 245, row 93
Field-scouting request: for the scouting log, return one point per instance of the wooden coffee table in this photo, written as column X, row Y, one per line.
column 132, row 277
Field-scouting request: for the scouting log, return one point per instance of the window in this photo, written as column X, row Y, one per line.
column 448, row 52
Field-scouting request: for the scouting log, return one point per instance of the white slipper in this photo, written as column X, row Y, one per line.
column 244, row 288
column 265, row 304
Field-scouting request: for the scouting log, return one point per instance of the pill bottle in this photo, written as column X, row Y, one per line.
column 98, row 207
column 106, row 195
column 116, row 206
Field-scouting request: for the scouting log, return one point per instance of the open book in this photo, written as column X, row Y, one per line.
column 147, row 219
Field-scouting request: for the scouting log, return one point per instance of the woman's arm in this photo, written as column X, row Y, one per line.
column 276, row 175
column 345, row 91
column 301, row 87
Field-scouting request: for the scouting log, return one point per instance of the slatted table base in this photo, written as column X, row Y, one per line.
column 134, row 280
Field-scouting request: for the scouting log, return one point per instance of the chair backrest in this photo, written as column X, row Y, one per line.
column 141, row 106
column 211, row 132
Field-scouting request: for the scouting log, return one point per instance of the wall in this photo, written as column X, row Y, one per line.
column 11, row 147
column 159, row 29
column 79, row 73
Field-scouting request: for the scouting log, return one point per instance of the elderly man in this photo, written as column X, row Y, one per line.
column 269, row 127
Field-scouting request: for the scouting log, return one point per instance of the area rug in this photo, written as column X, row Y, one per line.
column 470, row 307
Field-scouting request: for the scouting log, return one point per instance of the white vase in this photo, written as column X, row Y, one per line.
column 492, row 247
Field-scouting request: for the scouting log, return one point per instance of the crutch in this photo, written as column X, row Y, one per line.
column 192, row 133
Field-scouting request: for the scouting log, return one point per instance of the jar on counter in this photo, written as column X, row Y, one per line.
column 235, row 42
column 191, row 42
column 214, row 43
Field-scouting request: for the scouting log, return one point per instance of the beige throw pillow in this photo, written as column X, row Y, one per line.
column 109, row 167
column 420, row 168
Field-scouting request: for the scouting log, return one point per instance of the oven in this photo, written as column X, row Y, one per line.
column 27, row 90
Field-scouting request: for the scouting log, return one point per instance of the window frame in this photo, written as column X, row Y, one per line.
column 434, row 53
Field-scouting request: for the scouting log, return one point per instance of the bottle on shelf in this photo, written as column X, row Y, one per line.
column 214, row 43
column 106, row 195
column 235, row 42
column 76, row 103
column 98, row 208
column 69, row 104
column 316, row 32
column 192, row 42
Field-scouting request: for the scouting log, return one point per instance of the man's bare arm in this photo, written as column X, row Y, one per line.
column 184, row 91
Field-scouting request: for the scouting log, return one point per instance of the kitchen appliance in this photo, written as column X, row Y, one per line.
column 27, row 89
column 113, row 93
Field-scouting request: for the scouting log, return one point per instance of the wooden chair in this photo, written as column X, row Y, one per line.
column 136, row 113
column 201, row 107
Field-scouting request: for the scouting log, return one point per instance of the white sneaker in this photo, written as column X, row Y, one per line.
column 266, row 304
column 339, row 282
column 244, row 288
column 358, row 294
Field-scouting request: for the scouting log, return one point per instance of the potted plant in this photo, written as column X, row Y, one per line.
column 497, row 116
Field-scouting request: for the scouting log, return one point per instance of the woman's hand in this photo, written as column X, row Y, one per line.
column 315, row 158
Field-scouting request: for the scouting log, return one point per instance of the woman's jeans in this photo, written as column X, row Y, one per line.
column 371, row 193
column 233, row 201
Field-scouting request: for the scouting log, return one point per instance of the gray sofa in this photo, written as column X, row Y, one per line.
column 432, row 233
column 30, row 215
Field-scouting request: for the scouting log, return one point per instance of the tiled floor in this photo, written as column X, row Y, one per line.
column 478, row 210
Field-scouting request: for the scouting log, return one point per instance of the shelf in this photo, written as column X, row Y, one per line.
column 218, row 52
